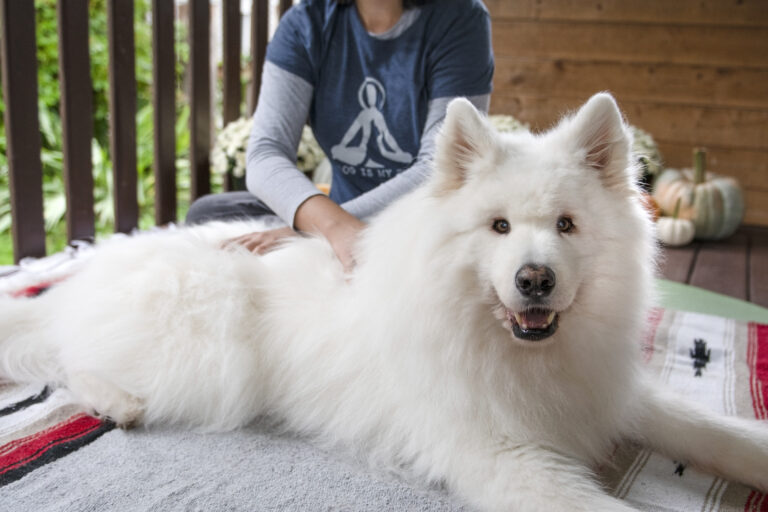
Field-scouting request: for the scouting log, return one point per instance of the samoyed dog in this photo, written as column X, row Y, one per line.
column 487, row 339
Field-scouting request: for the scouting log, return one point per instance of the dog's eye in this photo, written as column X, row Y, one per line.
column 500, row 226
column 565, row 224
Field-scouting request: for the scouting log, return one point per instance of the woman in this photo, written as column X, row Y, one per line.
column 374, row 78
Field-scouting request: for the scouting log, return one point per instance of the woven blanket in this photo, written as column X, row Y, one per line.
column 54, row 457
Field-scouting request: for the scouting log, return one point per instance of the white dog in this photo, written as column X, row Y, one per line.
column 488, row 338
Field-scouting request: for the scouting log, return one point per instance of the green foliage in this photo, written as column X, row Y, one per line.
column 50, row 124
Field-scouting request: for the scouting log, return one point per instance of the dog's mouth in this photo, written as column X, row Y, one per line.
column 533, row 324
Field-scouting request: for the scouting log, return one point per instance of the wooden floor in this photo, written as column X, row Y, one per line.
column 737, row 267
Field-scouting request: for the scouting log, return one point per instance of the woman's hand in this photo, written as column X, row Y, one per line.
column 260, row 242
column 342, row 237
column 317, row 215
column 321, row 216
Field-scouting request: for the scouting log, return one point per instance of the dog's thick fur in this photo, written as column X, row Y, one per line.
column 421, row 359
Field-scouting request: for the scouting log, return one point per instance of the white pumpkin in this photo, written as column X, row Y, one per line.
column 674, row 231
column 714, row 203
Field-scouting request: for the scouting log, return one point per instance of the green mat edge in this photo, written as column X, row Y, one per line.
column 683, row 297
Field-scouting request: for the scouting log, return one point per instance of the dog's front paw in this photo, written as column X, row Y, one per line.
column 107, row 400
column 125, row 421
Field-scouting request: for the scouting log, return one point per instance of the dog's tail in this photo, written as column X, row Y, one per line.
column 27, row 351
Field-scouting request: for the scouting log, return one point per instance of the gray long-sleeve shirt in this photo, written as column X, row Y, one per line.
column 280, row 116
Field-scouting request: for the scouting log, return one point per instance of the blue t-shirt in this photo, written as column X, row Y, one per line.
column 371, row 94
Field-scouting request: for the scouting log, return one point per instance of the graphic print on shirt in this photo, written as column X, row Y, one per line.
column 354, row 146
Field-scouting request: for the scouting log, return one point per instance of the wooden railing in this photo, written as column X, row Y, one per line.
column 19, row 73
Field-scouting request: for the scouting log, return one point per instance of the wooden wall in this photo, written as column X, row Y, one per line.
column 690, row 72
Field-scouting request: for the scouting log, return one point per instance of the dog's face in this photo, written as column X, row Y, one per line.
column 543, row 219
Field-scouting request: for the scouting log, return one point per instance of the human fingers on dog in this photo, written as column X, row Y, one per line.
column 343, row 238
column 257, row 243
column 246, row 241
column 347, row 260
column 260, row 242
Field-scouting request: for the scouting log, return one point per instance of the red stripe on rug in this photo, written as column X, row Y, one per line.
column 649, row 338
column 36, row 289
column 748, row 504
column 29, row 448
column 12, row 445
column 757, row 359
column 756, row 502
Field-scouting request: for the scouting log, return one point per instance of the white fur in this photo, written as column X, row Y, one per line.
column 411, row 360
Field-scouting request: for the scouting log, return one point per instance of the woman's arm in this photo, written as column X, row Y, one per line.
column 280, row 116
column 272, row 174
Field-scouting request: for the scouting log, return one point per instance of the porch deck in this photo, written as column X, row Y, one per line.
column 737, row 267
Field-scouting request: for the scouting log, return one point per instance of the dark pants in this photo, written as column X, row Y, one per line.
column 227, row 206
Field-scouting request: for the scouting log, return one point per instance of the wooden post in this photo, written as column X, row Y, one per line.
column 76, row 116
column 231, row 23
column 122, row 108
column 19, row 69
column 284, row 6
column 259, row 27
column 164, row 106
column 200, row 94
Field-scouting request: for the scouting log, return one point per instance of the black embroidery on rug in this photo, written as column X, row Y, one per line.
column 39, row 291
column 700, row 355
column 679, row 468
column 40, row 397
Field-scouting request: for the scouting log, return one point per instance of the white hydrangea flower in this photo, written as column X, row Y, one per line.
column 239, row 170
column 229, row 150
column 219, row 161
column 309, row 154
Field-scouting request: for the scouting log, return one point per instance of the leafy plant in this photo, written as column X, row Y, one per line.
column 51, row 134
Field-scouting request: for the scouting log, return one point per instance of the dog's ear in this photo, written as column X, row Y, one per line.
column 602, row 140
column 466, row 140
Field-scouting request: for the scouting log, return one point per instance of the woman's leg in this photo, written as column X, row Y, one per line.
column 226, row 206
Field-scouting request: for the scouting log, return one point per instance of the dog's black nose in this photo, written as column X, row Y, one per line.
column 535, row 281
